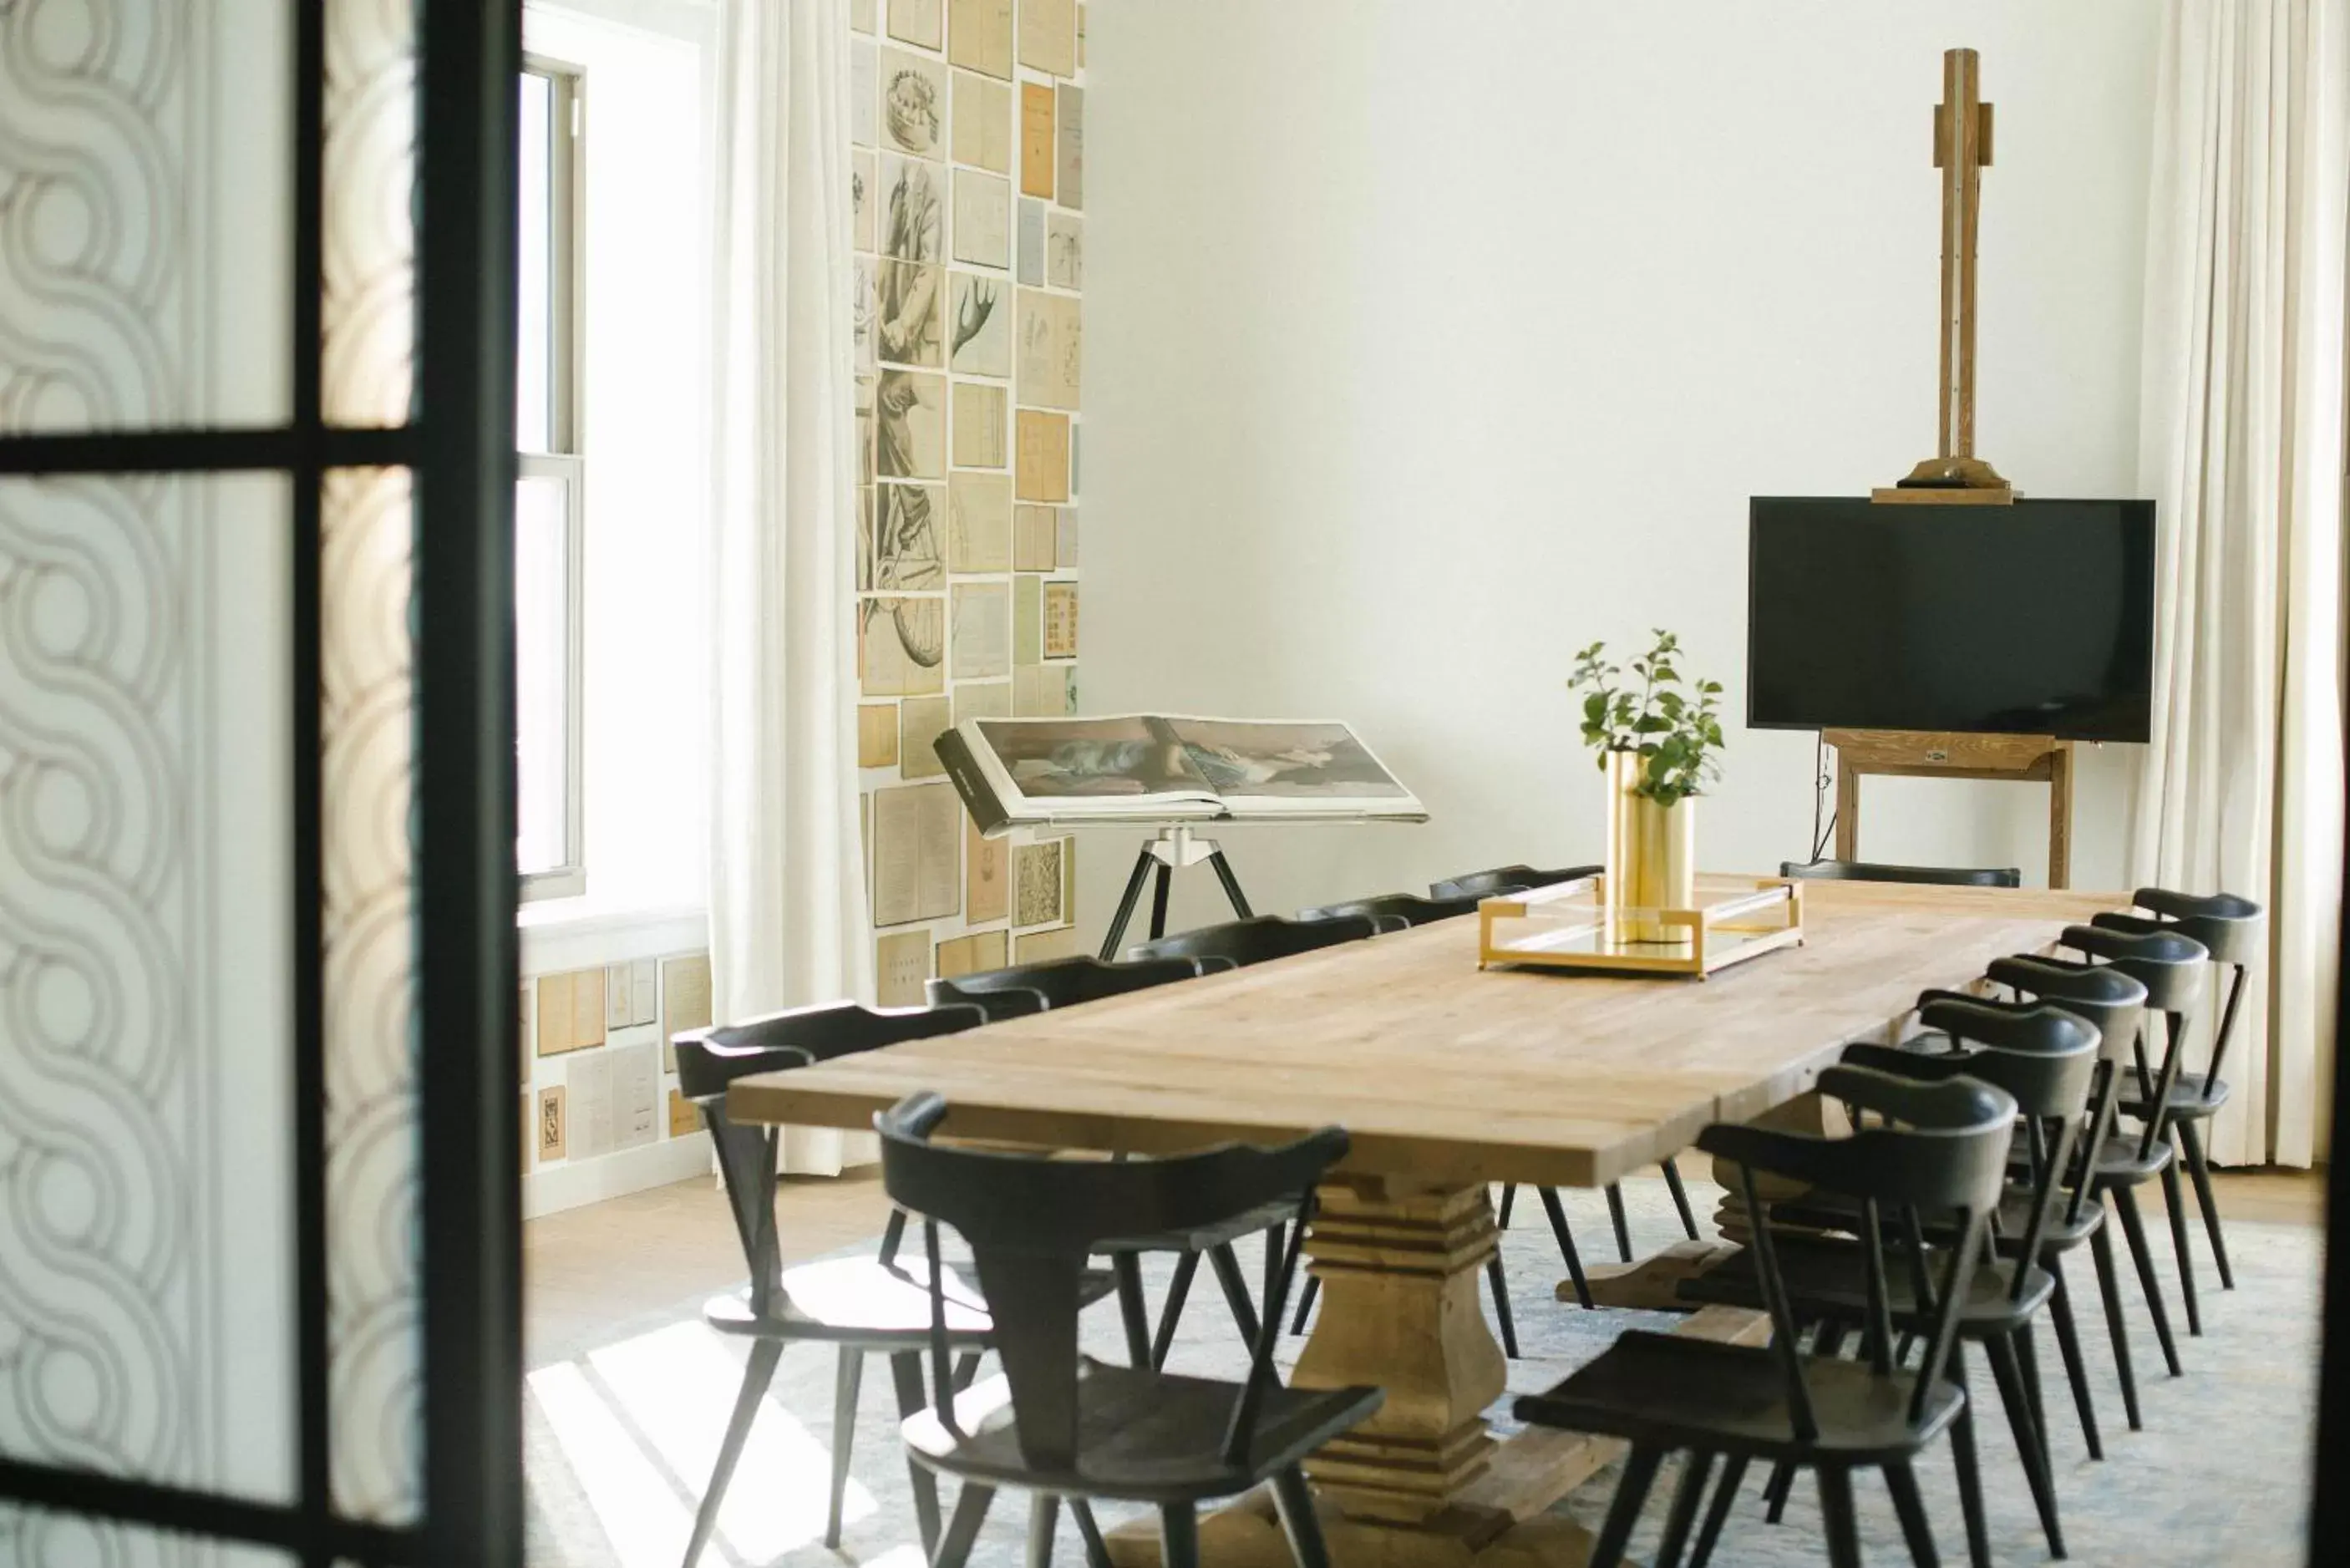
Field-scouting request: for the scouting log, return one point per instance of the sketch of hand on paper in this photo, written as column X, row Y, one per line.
column 971, row 315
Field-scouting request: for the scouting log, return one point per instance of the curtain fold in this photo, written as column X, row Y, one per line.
column 2241, row 447
column 788, row 903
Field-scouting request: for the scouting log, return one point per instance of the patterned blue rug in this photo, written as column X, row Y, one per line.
column 620, row 1435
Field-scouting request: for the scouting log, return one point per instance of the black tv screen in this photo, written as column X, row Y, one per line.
column 2036, row 619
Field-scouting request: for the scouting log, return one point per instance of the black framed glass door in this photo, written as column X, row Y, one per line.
column 259, row 1223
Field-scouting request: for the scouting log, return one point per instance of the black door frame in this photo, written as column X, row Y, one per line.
column 459, row 443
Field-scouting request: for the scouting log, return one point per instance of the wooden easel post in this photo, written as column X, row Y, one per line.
column 1962, row 142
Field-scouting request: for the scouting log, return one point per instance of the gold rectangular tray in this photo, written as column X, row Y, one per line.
column 1569, row 926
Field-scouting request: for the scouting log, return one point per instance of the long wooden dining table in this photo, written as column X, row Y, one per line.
column 1447, row 1078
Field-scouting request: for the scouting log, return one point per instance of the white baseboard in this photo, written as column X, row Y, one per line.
column 568, row 1186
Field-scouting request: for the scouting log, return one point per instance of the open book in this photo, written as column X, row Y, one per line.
column 1148, row 768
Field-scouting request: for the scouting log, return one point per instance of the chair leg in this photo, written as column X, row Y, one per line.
column 1828, row 1343
column 1962, row 1460
column 2199, row 1170
column 1509, row 1202
column 1557, row 1212
column 1835, row 1509
column 765, row 1353
column 1631, row 1492
column 1717, row 1514
column 1096, row 1549
column 2134, row 1231
column 1236, row 1296
column 1294, row 1502
column 966, row 1368
column 2174, row 1200
column 1306, row 1303
column 1277, row 1239
column 1681, row 1197
column 2007, row 1369
column 1687, row 1492
column 1170, row 1311
column 1499, row 1283
column 2068, row 1344
column 906, row 1372
column 1178, row 1536
column 953, row 1549
column 1902, row 1482
column 1127, row 1271
column 845, row 1385
column 1616, row 1218
column 2109, row 1286
column 2027, row 1358
column 1043, row 1523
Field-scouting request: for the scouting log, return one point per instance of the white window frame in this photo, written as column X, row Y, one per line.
column 564, row 462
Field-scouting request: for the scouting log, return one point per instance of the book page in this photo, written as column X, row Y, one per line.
column 917, row 854
column 1127, row 766
column 1263, row 767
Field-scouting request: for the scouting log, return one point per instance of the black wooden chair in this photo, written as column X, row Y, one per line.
column 1943, row 1151
column 1876, row 871
column 1396, row 911
column 2235, row 931
column 1258, row 940
column 1062, row 1425
column 855, row 1304
column 1026, row 989
column 2047, row 1060
column 1507, row 879
column 2115, row 1003
column 2173, row 968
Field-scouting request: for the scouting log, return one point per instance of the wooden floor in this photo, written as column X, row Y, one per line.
column 607, row 1266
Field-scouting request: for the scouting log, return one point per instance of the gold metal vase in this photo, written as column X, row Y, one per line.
column 1651, row 854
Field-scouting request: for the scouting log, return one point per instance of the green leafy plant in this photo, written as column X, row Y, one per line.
column 1674, row 725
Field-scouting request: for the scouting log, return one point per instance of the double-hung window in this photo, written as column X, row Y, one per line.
column 550, row 493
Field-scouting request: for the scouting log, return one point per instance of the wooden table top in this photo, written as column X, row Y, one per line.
column 1438, row 1070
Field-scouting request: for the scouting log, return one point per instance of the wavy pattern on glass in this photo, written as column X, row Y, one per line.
column 370, row 305
column 368, row 676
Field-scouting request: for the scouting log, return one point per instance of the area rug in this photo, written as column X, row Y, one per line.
column 620, row 1435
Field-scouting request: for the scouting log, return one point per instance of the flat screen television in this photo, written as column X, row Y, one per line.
column 2033, row 620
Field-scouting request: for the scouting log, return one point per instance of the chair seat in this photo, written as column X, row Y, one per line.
column 865, row 1301
column 1827, row 1212
column 2119, row 1163
column 1829, row 1278
column 1255, row 1221
column 1671, row 1391
column 2192, row 1094
column 1146, row 1436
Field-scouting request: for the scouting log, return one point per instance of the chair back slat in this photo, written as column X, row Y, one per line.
column 1407, row 907
column 1257, row 939
column 1876, row 871
column 1507, row 879
column 1032, row 1223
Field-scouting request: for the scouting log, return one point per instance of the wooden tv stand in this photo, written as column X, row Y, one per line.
column 1921, row 753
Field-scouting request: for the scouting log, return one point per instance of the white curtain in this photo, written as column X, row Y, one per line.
column 2241, row 447
column 787, row 916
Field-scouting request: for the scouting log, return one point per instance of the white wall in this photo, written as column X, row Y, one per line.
column 1427, row 342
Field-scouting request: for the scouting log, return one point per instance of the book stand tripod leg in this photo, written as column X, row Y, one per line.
column 1172, row 848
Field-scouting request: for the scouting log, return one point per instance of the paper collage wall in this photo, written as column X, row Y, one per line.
column 968, row 120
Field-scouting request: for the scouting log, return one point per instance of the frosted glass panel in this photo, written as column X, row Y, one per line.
column 368, row 313
column 146, row 170
column 146, row 1181
column 30, row 1538
column 368, row 666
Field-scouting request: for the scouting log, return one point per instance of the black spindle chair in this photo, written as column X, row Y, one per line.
column 1257, row 939
column 2047, row 1060
column 2235, row 933
column 1063, row 1425
column 2173, row 966
column 1942, row 1150
column 1396, row 911
column 857, row 1304
column 1877, row 871
column 1026, row 989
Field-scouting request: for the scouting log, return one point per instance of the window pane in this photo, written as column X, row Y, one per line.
column 542, row 671
column 535, row 357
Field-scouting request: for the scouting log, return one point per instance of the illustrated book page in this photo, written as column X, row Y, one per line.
column 1264, row 768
